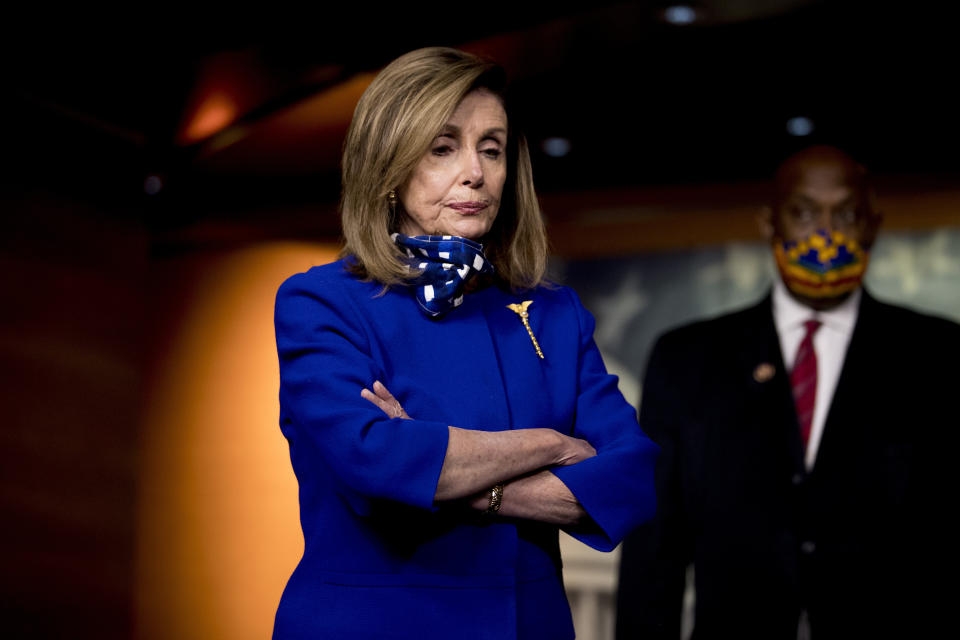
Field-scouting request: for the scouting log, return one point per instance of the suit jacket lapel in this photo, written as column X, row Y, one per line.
column 857, row 363
column 761, row 357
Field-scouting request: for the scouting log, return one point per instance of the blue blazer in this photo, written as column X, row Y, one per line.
column 381, row 560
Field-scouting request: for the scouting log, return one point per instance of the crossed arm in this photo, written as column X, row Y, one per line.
column 520, row 458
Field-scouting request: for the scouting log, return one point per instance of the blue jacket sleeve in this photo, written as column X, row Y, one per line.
column 324, row 348
column 615, row 487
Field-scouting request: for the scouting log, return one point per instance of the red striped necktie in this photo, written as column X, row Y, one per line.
column 803, row 379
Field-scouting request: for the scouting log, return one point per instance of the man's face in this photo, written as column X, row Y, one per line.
column 821, row 226
column 823, row 195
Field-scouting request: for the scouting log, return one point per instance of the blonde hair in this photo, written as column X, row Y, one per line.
column 396, row 120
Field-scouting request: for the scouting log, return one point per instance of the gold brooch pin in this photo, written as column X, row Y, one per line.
column 521, row 310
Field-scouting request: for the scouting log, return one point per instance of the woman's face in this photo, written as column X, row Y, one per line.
column 455, row 189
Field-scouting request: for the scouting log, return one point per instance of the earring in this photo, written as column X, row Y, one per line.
column 392, row 201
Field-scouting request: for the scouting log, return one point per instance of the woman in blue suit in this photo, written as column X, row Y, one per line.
column 447, row 411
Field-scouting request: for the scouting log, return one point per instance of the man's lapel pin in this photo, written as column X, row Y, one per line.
column 764, row 372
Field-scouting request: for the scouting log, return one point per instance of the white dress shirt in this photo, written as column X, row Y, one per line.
column 830, row 343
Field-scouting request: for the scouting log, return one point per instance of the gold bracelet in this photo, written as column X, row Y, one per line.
column 496, row 495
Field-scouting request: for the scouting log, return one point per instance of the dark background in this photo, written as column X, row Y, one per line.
column 97, row 105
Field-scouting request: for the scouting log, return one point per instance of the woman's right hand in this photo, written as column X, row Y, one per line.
column 567, row 451
column 573, row 450
column 476, row 460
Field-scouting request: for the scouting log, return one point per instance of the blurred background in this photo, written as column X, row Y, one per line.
column 163, row 171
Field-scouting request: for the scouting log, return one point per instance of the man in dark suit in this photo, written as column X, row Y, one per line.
column 804, row 444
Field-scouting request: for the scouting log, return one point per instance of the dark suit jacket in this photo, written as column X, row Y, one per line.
column 856, row 542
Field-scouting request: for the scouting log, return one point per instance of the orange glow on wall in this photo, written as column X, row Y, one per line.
column 307, row 134
column 214, row 113
column 332, row 108
column 218, row 529
column 227, row 86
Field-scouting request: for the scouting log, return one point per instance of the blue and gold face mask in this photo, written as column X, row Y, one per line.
column 826, row 264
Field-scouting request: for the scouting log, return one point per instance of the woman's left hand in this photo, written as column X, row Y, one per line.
column 382, row 397
column 476, row 460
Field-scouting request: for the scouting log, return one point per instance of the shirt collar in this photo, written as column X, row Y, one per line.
column 789, row 313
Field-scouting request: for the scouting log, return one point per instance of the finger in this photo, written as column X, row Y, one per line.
column 395, row 409
column 391, row 407
column 382, row 392
column 367, row 395
column 384, row 406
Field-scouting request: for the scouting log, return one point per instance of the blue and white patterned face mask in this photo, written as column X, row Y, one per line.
column 446, row 264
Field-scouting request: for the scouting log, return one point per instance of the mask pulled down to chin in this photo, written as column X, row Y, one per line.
column 825, row 264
